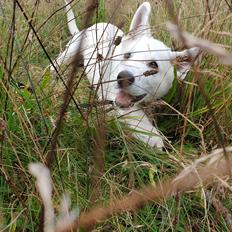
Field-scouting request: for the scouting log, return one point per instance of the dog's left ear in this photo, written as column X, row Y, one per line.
column 184, row 60
column 140, row 22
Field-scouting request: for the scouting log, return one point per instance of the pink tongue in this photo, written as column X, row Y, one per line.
column 123, row 99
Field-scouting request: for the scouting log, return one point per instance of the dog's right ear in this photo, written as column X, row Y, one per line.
column 140, row 22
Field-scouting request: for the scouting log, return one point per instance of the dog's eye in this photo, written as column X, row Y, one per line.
column 127, row 55
column 153, row 64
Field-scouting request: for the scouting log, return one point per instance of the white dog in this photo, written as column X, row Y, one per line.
column 136, row 69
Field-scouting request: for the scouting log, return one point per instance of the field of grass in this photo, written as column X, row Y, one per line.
column 196, row 119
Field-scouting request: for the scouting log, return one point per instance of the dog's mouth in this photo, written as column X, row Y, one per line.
column 125, row 100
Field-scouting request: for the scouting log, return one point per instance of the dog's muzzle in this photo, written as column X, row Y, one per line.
column 125, row 100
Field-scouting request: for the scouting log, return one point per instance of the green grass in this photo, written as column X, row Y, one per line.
column 29, row 122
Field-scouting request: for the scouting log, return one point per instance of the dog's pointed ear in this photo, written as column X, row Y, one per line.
column 140, row 22
column 184, row 60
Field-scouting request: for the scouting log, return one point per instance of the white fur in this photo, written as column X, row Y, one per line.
column 71, row 19
column 99, row 39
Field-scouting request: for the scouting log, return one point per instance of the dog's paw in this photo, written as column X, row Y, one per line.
column 152, row 141
column 156, row 142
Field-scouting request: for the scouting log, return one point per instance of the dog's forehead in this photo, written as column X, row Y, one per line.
column 146, row 46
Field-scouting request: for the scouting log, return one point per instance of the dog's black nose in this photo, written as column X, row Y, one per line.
column 125, row 78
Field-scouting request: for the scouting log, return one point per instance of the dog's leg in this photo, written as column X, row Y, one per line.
column 141, row 127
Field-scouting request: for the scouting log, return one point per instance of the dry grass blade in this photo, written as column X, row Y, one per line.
column 202, row 172
column 205, row 45
column 68, row 93
column 44, row 184
column 222, row 210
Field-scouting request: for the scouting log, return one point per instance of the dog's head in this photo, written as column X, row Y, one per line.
column 146, row 70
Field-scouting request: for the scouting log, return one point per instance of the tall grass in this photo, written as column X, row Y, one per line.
column 30, row 100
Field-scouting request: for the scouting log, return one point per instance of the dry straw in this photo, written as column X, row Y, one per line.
column 192, row 41
column 204, row 171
